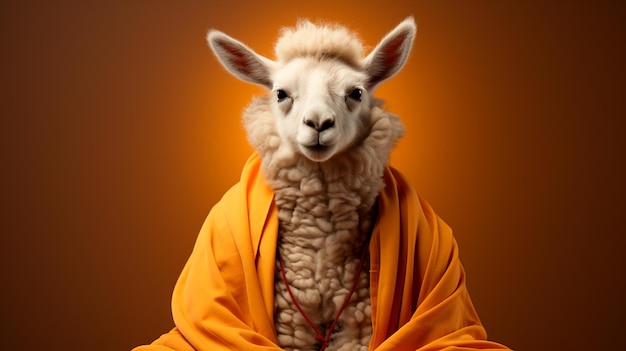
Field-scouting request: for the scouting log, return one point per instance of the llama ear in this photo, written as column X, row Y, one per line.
column 390, row 55
column 240, row 60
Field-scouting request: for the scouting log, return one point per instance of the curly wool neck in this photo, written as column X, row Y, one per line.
column 325, row 211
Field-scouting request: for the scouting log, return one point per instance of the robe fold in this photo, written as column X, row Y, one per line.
column 224, row 297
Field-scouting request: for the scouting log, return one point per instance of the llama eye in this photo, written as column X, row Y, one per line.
column 356, row 94
column 281, row 94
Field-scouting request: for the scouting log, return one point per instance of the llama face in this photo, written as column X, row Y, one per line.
column 320, row 106
column 321, row 85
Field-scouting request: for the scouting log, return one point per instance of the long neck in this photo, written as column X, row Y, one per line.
column 326, row 205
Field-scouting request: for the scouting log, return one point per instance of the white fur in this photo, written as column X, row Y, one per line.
column 324, row 149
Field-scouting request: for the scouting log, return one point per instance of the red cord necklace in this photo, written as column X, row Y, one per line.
column 318, row 334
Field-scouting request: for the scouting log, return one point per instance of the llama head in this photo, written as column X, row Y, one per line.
column 321, row 85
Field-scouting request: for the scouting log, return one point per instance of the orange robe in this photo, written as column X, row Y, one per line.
column 224, row 298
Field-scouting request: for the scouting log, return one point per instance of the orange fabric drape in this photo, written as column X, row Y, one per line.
column 224, row 297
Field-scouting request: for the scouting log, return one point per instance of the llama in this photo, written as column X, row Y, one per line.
column 324, row 143
column 321, row 245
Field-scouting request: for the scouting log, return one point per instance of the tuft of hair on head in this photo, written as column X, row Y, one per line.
column 319, row 40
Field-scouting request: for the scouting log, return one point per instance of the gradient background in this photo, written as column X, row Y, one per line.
column 119, row 131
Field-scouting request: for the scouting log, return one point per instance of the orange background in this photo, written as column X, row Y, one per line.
column 120, row 131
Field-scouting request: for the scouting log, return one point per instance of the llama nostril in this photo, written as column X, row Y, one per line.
column 320, row 126
column 329, row 123
column 310, row 123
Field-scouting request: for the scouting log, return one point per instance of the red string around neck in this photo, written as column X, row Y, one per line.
column 319, row 336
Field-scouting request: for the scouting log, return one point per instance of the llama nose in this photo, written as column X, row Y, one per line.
column 320, row 124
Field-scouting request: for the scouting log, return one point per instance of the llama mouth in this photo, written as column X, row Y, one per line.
column 317, row 147
column 317, row 152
